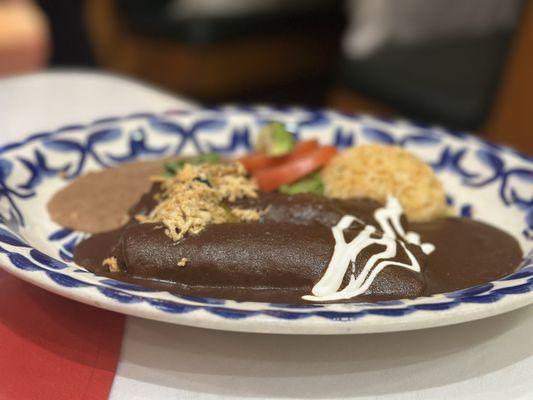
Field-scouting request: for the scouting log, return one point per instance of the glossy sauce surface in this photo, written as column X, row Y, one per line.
column 281, row 257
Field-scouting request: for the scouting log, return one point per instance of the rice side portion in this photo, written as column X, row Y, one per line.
column 376, row 171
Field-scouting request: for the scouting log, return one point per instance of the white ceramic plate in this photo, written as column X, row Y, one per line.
column 488, row 182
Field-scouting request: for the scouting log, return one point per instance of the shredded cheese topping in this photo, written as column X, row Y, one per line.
column 198, row 195
column 183, row 262
column 112, row 264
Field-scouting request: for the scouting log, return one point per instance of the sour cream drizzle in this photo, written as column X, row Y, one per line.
column 345, row 254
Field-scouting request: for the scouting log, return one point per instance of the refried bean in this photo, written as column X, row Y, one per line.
column 99, row 201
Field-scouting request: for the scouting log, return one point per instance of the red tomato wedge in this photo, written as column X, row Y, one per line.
column 260, row 160
column 303, row 148
column 255, row 161
column 271, row 178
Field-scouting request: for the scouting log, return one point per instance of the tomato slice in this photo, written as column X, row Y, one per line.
column 303, row 148
column 271, row 178
column 258, row 160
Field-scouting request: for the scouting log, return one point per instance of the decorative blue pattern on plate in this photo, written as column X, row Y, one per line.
column 491, row 182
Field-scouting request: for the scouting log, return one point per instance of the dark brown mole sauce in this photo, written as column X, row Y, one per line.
column 281, row 257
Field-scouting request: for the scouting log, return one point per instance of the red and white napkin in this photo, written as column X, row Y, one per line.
column 54, row 348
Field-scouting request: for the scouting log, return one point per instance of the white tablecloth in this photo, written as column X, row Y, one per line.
column 488, row 359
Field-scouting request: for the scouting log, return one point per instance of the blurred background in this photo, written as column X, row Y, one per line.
column 466, row 65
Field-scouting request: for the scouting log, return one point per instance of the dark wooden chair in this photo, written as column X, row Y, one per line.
column 216, row 59
column 483, row 85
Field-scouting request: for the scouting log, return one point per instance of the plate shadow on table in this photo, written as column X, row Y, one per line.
column 231, row 364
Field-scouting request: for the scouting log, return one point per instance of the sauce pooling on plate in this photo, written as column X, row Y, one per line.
column 291, row 223
column 285, row 255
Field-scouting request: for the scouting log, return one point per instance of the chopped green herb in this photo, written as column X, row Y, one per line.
column 311, row 183
column 206, row 158
column 172, row 167
column 232, row 218
column 275, row 140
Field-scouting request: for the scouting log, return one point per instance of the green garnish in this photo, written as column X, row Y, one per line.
column 172, row 167
column 275, row 140
column 232, row 218
column 311, row 183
